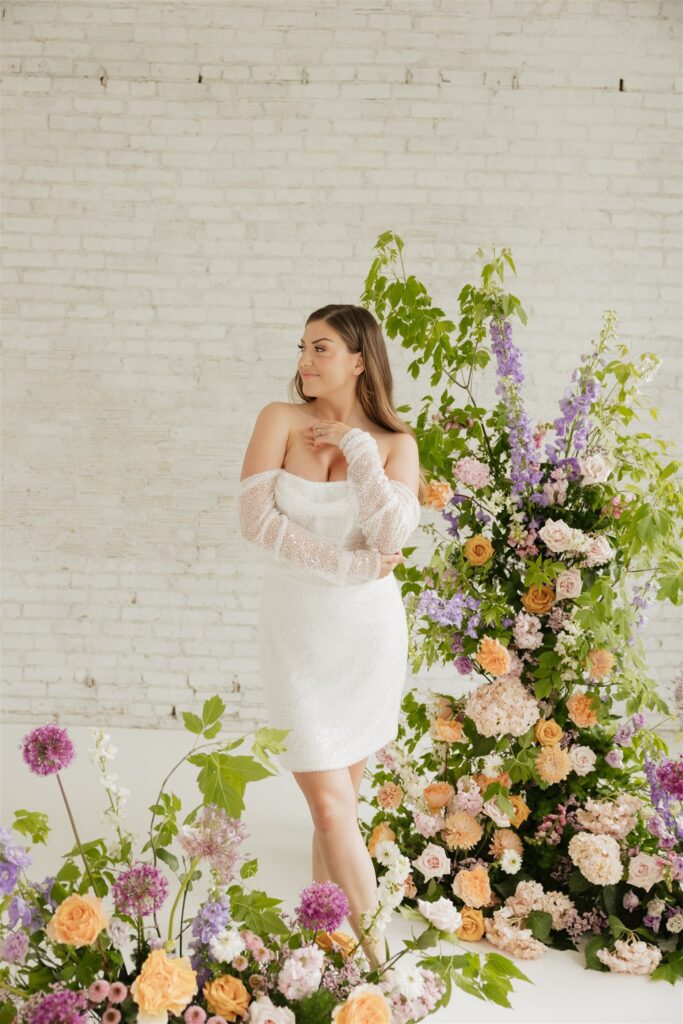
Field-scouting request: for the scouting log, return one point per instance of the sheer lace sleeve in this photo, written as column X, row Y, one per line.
column 389, row 510
column 262, row 523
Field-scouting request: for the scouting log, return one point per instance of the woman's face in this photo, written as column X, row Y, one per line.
column 325, row 363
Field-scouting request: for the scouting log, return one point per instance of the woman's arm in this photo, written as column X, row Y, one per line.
column 389, row 508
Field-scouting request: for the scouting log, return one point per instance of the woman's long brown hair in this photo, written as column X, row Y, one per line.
column 361, row 333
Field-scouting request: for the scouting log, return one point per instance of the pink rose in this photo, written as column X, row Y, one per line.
column 568, row 585
column 599, row 551
column 556, row 535
column 433, row 861
column 644, row 871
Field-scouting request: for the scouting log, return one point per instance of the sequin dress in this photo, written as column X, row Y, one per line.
column 332, row 635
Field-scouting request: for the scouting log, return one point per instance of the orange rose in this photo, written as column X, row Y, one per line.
column 336, row 940
column 380, row 833
column 367, row 1007
column 227, row 996
column 484, row 781
column 438, row 794
column 581, row 710
column 478, row 550
column 447, row 730
column 472, row 927
column 163, row 984
column 600, row 663
column 539, row 599
column 473, row 886
column 522, row 812
column 444, row 708
column 493, row 657
column 78, row 920
column 437, row 494
column 547, row 731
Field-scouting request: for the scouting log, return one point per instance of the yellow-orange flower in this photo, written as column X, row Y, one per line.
column 600, row 663
column 227, row 996
column 581, row 710
column 461, row 830
column 389, row 796
column 438, row 492
column 493, row 657
column 539, row 599
column 438, row 794
column 341, row 941
column 547, row 731
column 522, row 812
column 472, row 886
column 78, row 920
column 444, row 708
column 472, row 927
column 409, row 888
column 368, row 1007
column 484, row 781
column 504, row 839
column 553, row 763
column 164, row 984
column 379, row 834
column 478, row 550
column 447, row 730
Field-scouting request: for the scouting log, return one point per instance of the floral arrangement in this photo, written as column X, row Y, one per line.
column 87, row 943
column 540, row 805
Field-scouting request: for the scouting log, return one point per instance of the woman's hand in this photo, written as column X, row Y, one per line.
column 389, row 563
column 328, row 431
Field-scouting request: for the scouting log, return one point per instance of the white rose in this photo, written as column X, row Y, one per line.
column 599, row 551
column 433, row 861
column 568, row 584
column 441, row 913
column 644, row 871
column 556, row 535
column 595, row 468
column 494, row 812
column 264, row 1011
column 582, row 759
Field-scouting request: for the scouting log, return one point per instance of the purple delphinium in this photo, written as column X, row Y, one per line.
column 524, row 469
column 573, row 425
column 211, row 919
column 140, row 890
column 323, row 905
column 450, row 612
column 665, row 779
column 61, row 1006
column 12, row 859
column 47, row 749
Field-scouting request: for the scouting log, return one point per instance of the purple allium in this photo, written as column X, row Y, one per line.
column 47, row 749
column 140, row 891
column 14, row 947
column 61, row 1006
column 323, row 905
column 464, row 665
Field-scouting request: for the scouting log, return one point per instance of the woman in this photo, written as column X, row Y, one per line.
column 331, row 488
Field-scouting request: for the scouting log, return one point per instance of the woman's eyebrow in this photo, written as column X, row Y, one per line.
column 320, row 339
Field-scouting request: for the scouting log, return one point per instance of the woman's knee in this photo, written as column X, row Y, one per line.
column 331, row 802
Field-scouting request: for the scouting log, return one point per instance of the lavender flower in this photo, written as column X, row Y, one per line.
column 211, row 919
column 464, row 665
column 140, row 891
column 665, row 779
column 47, row 749
column 323, row 905
column 14, row 947
column 573, row 426
column 451, row 612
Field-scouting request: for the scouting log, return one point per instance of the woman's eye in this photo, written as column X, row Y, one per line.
column 317, row 348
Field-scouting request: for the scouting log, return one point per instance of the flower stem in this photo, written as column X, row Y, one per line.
column 78, row 841
column 181, row 890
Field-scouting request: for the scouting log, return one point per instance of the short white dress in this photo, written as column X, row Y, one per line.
column 333, row 658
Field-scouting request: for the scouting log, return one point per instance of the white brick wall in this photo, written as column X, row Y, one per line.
column 184, row 183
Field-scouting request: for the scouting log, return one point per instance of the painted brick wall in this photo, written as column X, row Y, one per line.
column 184, row 183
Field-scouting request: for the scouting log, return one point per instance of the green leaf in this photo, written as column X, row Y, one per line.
column 591, row 949
column 540, row 923
column 193, row 723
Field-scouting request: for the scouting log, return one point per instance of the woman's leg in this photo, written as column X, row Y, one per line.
column 320, row 872
column 331, row 798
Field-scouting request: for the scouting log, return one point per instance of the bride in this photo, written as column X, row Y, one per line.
column 330, row 488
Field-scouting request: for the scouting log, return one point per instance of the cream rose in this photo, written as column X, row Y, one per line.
column 264, row 1011
column 598, row 551
column 556, row 535
column 441, row 913
column 595, row 468
column 568, row 585
column 582, row 759
column 644, row 871
column 366, row 1004
column 432, row 862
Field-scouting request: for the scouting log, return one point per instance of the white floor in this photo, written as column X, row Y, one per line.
column 279, row 835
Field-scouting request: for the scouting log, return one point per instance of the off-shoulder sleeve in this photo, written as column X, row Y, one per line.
column 389, row 510
column 263, row 523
